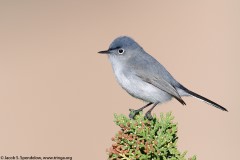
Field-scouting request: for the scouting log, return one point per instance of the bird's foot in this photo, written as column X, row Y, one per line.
column 148, row 116
column 133, row 113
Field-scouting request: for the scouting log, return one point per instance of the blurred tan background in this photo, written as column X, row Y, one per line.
column 58, row 96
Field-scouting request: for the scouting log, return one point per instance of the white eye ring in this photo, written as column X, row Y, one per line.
column 121, row 51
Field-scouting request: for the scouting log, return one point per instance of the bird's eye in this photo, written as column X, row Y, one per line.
column 120, row 51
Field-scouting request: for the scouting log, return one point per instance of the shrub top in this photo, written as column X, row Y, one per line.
column 141, row 139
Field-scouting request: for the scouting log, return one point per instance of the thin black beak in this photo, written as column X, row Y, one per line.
column 104, row 52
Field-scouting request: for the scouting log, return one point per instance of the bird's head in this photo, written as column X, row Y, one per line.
column 122, row 47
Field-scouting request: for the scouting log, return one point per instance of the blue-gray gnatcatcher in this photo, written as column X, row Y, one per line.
column 143, row 77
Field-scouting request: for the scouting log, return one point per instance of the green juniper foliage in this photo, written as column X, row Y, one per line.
column 141, row 139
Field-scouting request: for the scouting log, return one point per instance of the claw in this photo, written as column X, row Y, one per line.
column 133, row 113
column 148, row 116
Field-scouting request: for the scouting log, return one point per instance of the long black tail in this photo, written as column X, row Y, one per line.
column 203, row 99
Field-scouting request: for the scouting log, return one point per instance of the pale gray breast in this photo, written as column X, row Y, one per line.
column 134, row 85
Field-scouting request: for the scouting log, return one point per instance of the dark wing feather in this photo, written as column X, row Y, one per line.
column 161, row 84
column 151, row 71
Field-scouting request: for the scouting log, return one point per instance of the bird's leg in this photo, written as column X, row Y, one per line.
column 148, row 114
column 133, row 112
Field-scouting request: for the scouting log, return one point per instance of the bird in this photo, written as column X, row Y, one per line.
column 144, row 78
